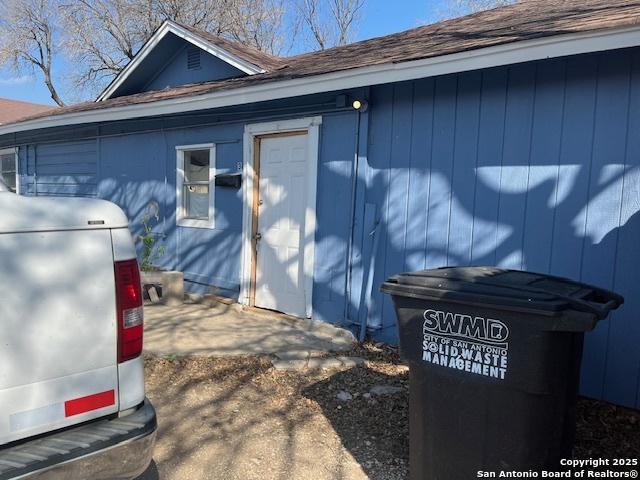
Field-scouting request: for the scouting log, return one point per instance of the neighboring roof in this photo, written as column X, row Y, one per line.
column 245, row 59
column 14, row 110
column 531, row 30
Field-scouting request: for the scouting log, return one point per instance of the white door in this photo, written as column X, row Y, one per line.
column 282, row 200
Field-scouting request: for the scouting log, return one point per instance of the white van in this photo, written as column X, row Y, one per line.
column 72, row 396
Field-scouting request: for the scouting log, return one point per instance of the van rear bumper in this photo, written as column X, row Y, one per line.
column 116, row 449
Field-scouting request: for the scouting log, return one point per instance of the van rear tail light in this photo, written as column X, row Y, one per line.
column 129, row 309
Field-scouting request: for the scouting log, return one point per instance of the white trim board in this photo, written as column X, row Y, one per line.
column 507, row 54
column 312, row 127
column 171, row 27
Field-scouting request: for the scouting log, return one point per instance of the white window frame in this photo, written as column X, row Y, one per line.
column 181, row 218
column 7, row 151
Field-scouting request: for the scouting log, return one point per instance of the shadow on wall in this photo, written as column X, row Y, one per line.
column 212, row 256
column 563, row 234
column 208, row 256
column 544, row 223
column 527, row 167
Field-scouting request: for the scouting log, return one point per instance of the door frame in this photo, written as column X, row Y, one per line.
column 251, row 138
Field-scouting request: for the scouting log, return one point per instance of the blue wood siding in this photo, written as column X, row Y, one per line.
column 211, row 256
column 333, row 215
column 534, row 166
column 59, row 169
column 138, row 170
column 176, row 73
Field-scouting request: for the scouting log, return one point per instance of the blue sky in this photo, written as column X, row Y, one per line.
column 380, row 17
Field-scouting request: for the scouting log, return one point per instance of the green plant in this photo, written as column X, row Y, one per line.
column 151, row 251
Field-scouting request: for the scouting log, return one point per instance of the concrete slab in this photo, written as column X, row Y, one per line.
column 317, row 363
column 172, row 288
column 335, row 362
column 293, row 355
column 216, row 329
column 290, row 364
column 350, row 362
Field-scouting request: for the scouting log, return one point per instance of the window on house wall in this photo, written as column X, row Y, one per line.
column 194, row 182
column 9, row 168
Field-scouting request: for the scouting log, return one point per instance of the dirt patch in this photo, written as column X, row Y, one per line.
column 606, row 431
column 239, row 418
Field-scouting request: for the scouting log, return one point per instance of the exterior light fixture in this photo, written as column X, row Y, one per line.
column 360, row 105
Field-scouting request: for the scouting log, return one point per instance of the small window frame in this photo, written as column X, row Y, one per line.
column 182, row 220
column 14, row 151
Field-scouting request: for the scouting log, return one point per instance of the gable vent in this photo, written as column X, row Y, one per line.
column 193, row 58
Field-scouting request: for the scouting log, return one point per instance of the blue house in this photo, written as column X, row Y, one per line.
column 509, row 137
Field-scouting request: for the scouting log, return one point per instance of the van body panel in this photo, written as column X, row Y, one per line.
column 131, row 383
column 68, row 409
column 123, row 246
column 38, row 214
column 39, row 407
column 59, row 335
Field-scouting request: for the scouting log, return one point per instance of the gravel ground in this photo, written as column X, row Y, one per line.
column 238, row 418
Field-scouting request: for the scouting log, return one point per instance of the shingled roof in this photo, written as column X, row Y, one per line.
column 15, row 110
column 528, row 20
column 264, row 60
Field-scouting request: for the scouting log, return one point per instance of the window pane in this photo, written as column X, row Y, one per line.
column 8, row 170
column 9, row 180
column 196, row 201
column 8, row 163
column 196, row 166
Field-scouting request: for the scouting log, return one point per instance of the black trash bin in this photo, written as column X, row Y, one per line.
column 494, row 359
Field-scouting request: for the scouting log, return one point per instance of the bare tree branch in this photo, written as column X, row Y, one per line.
column 257, row 23
column 310, row 14
column 27, row 38
column 330, row 22
column 104, row 35
column 98, row 38
column 345, row 14
column 457, row 8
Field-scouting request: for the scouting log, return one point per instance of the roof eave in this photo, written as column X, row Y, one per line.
column 499, row 55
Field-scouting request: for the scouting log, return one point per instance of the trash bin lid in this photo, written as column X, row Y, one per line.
column 502, row 287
